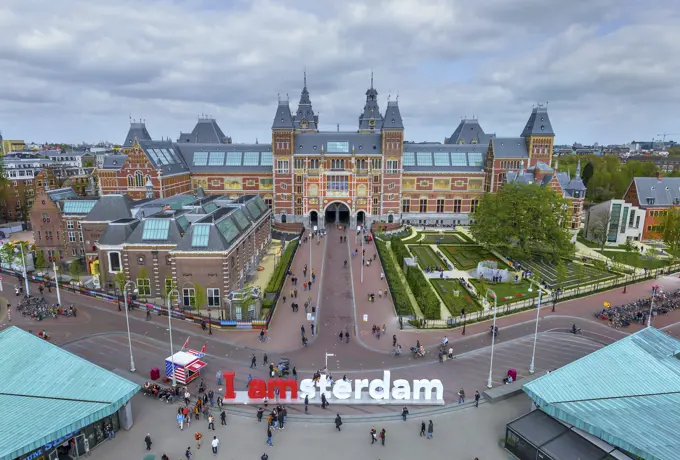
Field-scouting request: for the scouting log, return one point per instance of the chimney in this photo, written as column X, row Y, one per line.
column 659, row 175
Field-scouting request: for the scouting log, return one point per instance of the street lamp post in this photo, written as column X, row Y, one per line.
column 23, row 263
column 489, row 384
column 651, row 310
column 327, row 355
column 464, row 322
column 361, row 237
column 56, row 282
column 172, row 349
column 127, row 320
column 538, row 313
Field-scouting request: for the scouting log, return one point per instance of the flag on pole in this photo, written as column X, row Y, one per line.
column 186, row 344
column 205, row 347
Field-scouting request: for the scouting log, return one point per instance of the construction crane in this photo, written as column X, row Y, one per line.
column 667, row 134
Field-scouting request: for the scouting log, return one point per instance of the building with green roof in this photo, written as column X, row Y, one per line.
column 625, row 394
column 51, row 397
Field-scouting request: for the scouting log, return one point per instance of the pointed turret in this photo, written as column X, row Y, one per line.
column 539, row 136
column 392, row 118
column 206, row 131
column 469, row 131
column 305, row 119
column 538, row 123
column 283, row 118
column 137, row 131
column 371, row 119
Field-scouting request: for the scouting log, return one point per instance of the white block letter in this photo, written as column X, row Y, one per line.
column 359, row 385
column 342, row 390
column 384, row 384
column 307, row 389
column 401, row 390
column 428, row 386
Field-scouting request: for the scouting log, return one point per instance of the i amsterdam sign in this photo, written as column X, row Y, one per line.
column 360, row 391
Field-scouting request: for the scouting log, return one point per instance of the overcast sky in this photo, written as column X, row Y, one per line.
column 76, row 70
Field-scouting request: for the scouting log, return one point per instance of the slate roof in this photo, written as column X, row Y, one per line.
column 118, row 231
column 114, row 161
column 626, row 394
column 509, row 147
column 283, row 118
column 444, row 157
column 305, row 111
column 110, row 208
column 469, row 131
column 206, row 131
column 538, row 123
column 664, row 192
column 137, row 131
column 217, row 157
column 571, row 184
column 371, row 111
column 313, row 143
column 55, row 392
column 164, row 155
column 393, row 118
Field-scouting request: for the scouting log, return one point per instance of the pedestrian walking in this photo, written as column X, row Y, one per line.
column 294, row 373
column 215, row 444
column 477, row 396
column 374, row 435
column 253, row 361
column 324, row 401
column 338, row 422
column 383, row 436
column 266, row 457
column 276, row 394
column 211, row 395
column 347, row 336
column 306, row 404
column 423, row 428
column 404, row 413
column 269, row 436
column 312, row 327
column 218, row 377
column 430, row 430
column 188, row 454
column 219, row 402
column 180, row 420
column 461, row 396
column 211, row 422
column 265, row 360
column 187, row 398
column 147, row 441
column 223, row 417
column 198, row 436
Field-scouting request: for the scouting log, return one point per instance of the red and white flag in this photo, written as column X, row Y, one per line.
column 186, row 344
column 205, row 347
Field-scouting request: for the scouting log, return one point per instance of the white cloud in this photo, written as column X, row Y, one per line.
column 74, row 69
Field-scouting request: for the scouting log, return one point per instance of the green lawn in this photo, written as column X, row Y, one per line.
column 588, row 243
column 636, row 260
column 446, row 288
column 507, row 292
column 467, row 257
column 445, row 238
column 425, row 256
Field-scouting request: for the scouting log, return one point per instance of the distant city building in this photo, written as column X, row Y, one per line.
column 615, row 222
column 665, row 163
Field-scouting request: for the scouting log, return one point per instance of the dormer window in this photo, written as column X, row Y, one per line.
column 650, row 200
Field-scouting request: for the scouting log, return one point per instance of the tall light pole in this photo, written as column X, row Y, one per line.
column 538, row 313
column 651, row 310
column 172, row 349
column 489, row 383
column 127, row 320
column 23, row 263
column 361, row 237
column 56, row 282
column 327, row 355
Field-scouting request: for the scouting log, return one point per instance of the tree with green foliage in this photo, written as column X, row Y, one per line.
column 7, row 254
column 561, row 274
column 200, row 297
column 671, row 232
column 40, row 263
column 120, row 279
column 524, row 221
column 587, row 174
column 76, row 269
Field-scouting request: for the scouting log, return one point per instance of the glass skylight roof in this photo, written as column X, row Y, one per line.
column 228, row 229
column 441, row 159
column 78, row 206
column 200, row 158
column 183, row 223
column 233, row 158
column 156, row 229
column 458, row 159
column 200, row 236
column 260, row 202
column 251, row 158
column 216, row 159
column 266, row 159
column 241, row 219
column 424, row 158
column 409, row 159
column 254, row 210
column 475, row 159
column 210, row 207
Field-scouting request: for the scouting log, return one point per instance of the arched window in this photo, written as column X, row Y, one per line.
column 139, row 179
column 130, row 182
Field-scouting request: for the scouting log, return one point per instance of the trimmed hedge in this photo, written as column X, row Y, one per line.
column 422, row 290
column 397, row 288
column 279, row 276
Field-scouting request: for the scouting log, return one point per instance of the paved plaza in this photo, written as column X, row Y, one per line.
column 463, row 434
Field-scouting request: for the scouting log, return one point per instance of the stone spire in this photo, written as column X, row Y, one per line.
column 305, row 119
column 371, row 119
column 578, row 168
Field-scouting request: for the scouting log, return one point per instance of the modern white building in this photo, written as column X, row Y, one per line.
column 615, row 221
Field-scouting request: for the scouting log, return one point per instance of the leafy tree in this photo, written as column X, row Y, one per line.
column 581, row 275
column 76, row 269
column 7, row 254
column 200, row 297
column 671, row 231
column 561, row 274
column 524, row 221
column 120, row 279
column 40, row 262
column 587, row 174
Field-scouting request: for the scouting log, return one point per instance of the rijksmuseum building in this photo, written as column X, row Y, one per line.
column 369, row 174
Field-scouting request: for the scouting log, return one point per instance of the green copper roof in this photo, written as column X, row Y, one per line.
column 51, row 392
column 626, row 394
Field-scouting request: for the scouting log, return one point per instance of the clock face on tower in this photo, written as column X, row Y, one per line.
column 304, row 124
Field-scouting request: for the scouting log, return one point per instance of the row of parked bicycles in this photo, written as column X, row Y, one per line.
column 38, row 309
column 637, row 312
